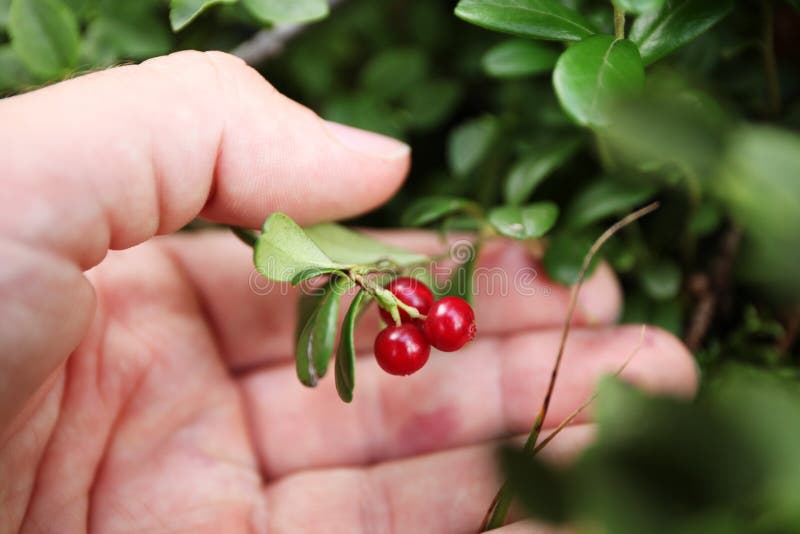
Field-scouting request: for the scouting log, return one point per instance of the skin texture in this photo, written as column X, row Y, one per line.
column 145, row 386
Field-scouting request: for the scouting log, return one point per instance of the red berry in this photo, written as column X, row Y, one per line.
column 409, row 291
column 450, row 324
column 401, row 350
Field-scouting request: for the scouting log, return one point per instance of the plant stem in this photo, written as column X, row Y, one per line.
column 770, row 63
column 619, row 23
column 248, row 237
column 496, row 515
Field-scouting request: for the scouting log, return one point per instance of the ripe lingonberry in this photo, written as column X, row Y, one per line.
column 401, row 350
column 409, row 291
column 450, row 324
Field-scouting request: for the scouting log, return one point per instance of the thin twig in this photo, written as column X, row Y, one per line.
column 495, row 516
column 619, row 23
column 269, row 43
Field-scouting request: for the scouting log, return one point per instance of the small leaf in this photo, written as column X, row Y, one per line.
column 704, row 220
column 394, row 72
column 13, row 73
column 429, row 103
column 591, row 73
column 302, row 353
column 469, row 143
column 564, row 257
column 538, row 164
column 535, row 19
column 676, row 24
column 182, row 12
column 661, row 281
column 346, row 353
column 283, row 250
column 280, row 11
column 524, row 222
column 307, row 274
column 604, row 198
column 348, row 247
column 44, row 34
column 327, row 317
column 639, row 6
column 121, row 37
column 429, row 209
column 517, row 58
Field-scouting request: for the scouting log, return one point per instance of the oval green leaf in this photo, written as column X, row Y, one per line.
column 283, row 250
column 604, row 198
column 524, row 222
column 469, row 143
column 346, row 353
column 182, row 12
column 537, row 165
column 325, row 322
column 517, row 58
column 280, row 11
column 44, row 34
column 676, row 24
column 564, row 257
column 639, row 6
column 594, row 71
column 535, row 19
column 429, row 209
column 345, row 246
column 661, row 281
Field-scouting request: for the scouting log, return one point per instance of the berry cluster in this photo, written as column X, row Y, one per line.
column 448, row 325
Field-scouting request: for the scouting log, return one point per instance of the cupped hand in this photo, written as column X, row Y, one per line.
column 151, row 388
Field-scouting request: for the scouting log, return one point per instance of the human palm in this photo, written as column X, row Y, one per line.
column 158, row 394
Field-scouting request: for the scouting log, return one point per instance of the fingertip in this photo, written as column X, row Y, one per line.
column 670, row 367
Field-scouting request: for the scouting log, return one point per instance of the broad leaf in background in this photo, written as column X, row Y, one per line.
column 5, row 5
column 536, row 19
column 564, row 257
column 469, row 143
column 428, row 103
column 346, row 353
column 283, row 250
column 280, row 11
column 13, row 73
column 524, row 222
column 182, row 12
column 345, row 246
column 111, row 37
column 394, row 72
column 594, row 72
column 639, row 6
column 676, row 24
column 44, row 33
column 660, row 280
column 517, row 58
column 429, row 209
column 604, row 198
column 539, row 162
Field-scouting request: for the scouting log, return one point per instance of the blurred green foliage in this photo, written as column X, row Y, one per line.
column 700, row 110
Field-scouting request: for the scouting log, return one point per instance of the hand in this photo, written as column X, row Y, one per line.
column 151, row 389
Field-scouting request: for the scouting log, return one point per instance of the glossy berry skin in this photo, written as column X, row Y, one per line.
column 409, row 291
column 450, row 324
column 401, row 350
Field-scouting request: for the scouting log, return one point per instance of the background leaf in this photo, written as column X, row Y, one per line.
column 280, row 11
column 661, row 280
column 44, row 34
column 429, row 209
column 283, row 250
column 679, row 22
column 524, row 222
column 604, row 198
column 469, row 143
column 639, row 6
column 593, row 72
column 564, row 256
column 517, row 58
column 182, row 12
column 536, row 19
column 537, row 164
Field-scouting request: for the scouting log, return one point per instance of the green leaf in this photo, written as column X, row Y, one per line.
column 538, row 486
column 13, row 73
column 282, row 11
column 705, row 220
column 429, row 103
column 538, row 164
column 676, row 24
column 429, row 209
column 327, row 318
column 182, row 12
column 535, row 19
column 120, row 37
column 5, row 6
column 593, row 72
column 524, row 222
column 564, row 256
column 394, row 72
column 283, row 250
column 604, row 198
column 661, row 280
column 639, row 6
column 517, row 58
column 307, row 274
column 44, row 34
column 469, row 143
column 346, row 353
column 348, row 247
column 461, row 282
